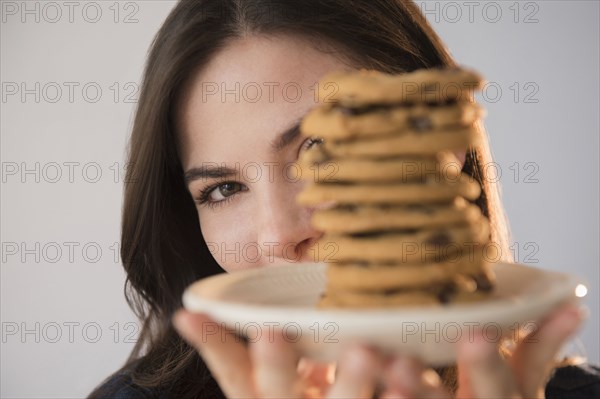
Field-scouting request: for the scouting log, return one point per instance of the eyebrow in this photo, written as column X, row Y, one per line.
column 212, row 171
column 286, row 137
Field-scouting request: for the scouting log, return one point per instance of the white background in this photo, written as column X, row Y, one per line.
column 77, row 300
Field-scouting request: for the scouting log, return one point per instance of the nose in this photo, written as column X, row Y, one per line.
column 285, row 234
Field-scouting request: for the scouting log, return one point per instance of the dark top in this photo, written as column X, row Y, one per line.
column 570, row 382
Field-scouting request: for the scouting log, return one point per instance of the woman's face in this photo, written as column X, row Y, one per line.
column 239, row 141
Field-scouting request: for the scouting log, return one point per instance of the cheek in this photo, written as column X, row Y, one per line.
column 229, row 238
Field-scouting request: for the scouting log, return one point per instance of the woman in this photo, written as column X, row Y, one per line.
column 225, row 85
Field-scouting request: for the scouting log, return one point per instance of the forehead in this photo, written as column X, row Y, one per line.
column 251, row 90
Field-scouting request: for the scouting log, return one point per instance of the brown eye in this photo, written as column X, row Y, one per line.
column 223, row 191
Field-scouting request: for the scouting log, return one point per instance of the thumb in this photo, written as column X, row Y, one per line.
column 317, row 376
column 534, row 357
column 482, row 373
column 223, row 352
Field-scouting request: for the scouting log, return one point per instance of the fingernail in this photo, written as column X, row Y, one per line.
column 478, row 347
column 431, row 378
column 407, row 373
column 576, row 314
column 355, row 359
column 303, row 368
column 584, row 312
column 392, row 394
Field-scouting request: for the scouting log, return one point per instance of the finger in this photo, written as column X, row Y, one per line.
column 534, row 356
column 482, row 373
column 392, row 394
column 406, row 377
column 357, row 374
column 274, row 363
column 403, row 375
column 224, row 353
column 317, row 376
column 425, row 392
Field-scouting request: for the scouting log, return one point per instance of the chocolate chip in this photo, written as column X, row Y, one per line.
column 440, row 238
column 420, row 123
column 483, row 282
column 444, row 297
column 446, row 293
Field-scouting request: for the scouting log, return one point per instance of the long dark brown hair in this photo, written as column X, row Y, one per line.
column 163, row 250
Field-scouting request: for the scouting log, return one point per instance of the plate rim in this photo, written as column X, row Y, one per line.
column 197, row 304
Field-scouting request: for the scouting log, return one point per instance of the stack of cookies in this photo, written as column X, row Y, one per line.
column 390, row 195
